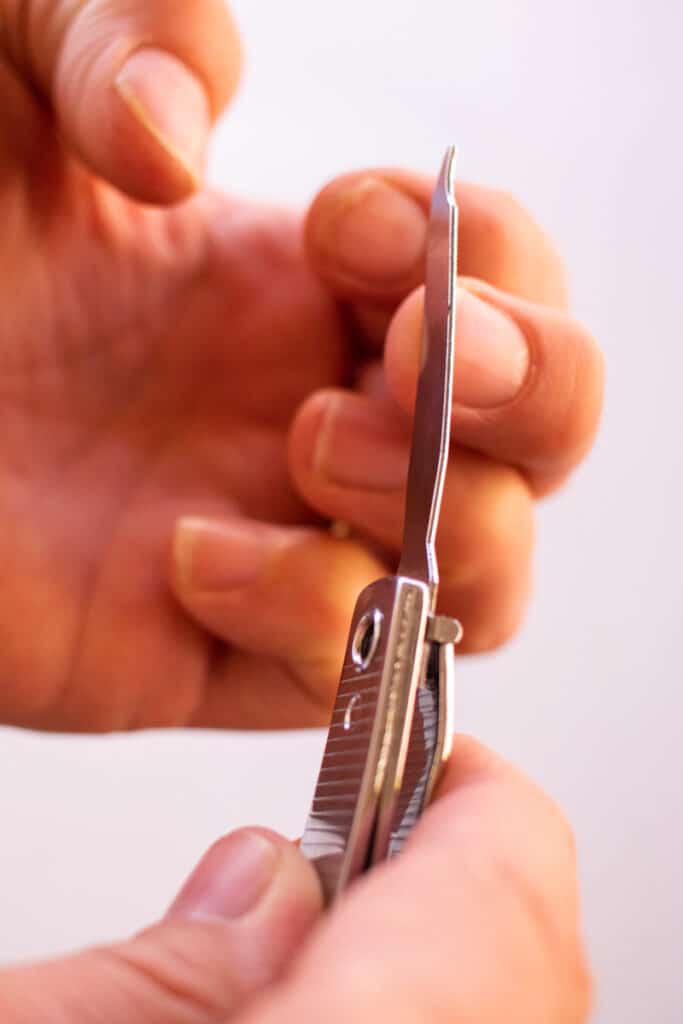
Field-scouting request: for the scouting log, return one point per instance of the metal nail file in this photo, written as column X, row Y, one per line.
column 392, row 721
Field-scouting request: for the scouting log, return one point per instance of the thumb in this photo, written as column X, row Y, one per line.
column 134, row 86
column 231, row 930
column 476, row 921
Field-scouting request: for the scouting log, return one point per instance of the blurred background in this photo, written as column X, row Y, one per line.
column 576, row 109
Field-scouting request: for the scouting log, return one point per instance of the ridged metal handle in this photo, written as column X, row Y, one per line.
column 354, row 805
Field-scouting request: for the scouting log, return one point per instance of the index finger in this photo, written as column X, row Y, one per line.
column 366, row 234
column 476, row 920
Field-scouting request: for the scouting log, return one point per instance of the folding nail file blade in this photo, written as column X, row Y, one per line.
column 432, row 422
column 361, row 809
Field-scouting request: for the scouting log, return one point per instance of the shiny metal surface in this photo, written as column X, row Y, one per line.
column 423, row 753
column 431, row 741
column 393, row 717
column 368, row 736
column 432, row 422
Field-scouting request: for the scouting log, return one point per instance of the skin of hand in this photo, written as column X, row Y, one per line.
column 190, row 391
column 476, row 921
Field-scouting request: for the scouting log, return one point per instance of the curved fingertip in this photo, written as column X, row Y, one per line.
column 366, row 235
column 283, row 593
column 212, row 556
column 159, row 129
column 231, row 879
column 257, row 874
column 309, row 434
column 344, row 443
column 236, row 925
column 491, row 353
column 144, row 126
column 549, row 421
column 136, row 99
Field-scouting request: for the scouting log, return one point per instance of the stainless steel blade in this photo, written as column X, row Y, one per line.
column 432, row 422
column 388, row 731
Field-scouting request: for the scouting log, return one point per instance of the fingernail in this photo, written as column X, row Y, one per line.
column 491, row 354
column 231, row 880
column 374, row 232
column 362, row 444
column 211, row 556
column 170, row 103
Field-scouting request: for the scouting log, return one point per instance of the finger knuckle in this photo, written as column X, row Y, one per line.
column 164, row 968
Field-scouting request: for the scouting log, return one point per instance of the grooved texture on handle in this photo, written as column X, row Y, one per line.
column 369, row 726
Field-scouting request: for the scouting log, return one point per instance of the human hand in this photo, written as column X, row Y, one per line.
column 475, row 922
column 152, row 362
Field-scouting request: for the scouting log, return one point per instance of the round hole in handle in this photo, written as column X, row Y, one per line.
column 366, row 638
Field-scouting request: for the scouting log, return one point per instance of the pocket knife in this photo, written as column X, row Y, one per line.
column 392, row 722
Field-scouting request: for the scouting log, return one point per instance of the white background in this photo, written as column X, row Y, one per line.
column 576, row 108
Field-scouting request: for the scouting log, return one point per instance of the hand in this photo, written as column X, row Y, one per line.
column 475, row 923
column 169, row 375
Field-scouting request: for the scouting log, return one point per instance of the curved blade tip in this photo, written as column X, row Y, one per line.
column 447, row 174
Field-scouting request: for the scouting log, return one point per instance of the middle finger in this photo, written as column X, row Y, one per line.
column 528, row 380
column 349, row 456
